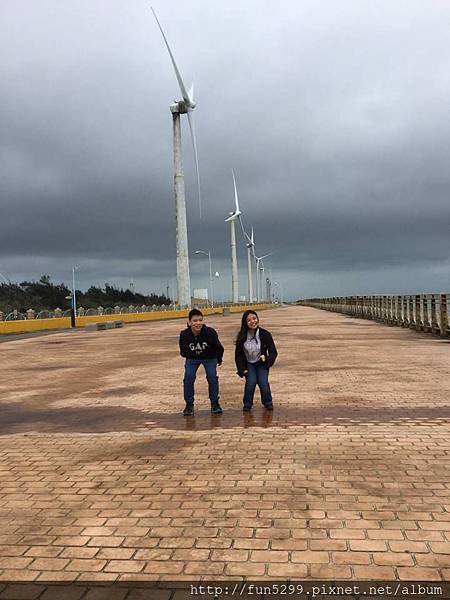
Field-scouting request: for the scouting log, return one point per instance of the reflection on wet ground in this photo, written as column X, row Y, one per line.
column 20, row 418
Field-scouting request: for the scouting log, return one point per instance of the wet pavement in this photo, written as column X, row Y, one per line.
column 348, row 478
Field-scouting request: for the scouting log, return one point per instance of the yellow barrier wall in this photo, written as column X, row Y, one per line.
column 34, row 325
column 64, row 322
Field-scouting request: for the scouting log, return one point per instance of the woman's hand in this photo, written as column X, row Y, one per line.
column 245, row 372
column 263, row 358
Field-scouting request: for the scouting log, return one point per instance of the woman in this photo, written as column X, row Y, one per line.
column 254, row 355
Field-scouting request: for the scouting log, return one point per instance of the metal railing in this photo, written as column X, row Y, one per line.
column 422, row 312
column 30, row 314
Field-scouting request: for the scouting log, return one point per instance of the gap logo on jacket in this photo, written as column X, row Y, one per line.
column 205, row 345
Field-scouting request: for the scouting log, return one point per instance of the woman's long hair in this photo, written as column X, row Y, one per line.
column 242, row 335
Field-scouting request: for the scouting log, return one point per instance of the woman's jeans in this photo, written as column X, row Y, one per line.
column 190, row 373
column 257, row 374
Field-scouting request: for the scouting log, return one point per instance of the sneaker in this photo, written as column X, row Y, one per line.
column 216, row 409
column 269, row 407
column 188, row 411
column 247, row 408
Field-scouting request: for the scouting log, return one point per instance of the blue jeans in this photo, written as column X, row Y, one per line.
column 190, row 373
column 257, row 374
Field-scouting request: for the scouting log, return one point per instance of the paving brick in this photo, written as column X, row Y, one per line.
column 78, row 552
column 368, row 545
column 14, row 562
column 310, row 557
column 204, row 568
column 269, row 556
column 374, row 573
column 86, row 565
column 124, row 566
column 348, row 534
column 297, row 571
column 115, row 553
column 229, row 555
column 165, row 567
column 289, row 544
column 49, row 564
column 252, row 544
column 350, row 558
column 432, row 560
column 42, row 552
column 408, row 546
column 395, row 559
column 418, row 574
column 331, row 571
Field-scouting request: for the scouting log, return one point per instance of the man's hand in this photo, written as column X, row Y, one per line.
column 219, row 363
column 245, row 372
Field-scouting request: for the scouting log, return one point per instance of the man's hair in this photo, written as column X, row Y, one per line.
column 195, row 313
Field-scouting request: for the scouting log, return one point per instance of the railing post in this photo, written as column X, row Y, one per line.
column 418, row 320
column 426, row 314
column 397, row 316
column 433, row 319
column 404, row 311
column 443, row 325
column 384, row 304
column 390, row 310
column 411, row 323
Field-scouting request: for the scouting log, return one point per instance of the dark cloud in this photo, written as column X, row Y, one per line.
column 334, row 117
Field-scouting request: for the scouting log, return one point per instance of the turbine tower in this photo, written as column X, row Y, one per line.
column 184, row 106
column 234, row 267
column 250, row 253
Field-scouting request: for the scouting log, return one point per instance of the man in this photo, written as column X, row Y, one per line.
column 200, row 345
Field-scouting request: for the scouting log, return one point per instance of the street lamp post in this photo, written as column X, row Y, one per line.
column 73, row 312
column 211, row 285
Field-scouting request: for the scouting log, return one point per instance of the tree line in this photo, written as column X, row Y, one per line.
column 46, row 295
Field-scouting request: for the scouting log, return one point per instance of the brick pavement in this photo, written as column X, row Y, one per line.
column 103, row 479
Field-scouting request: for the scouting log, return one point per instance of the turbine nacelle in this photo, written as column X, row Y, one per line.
column 233, row 216
column 182, row 107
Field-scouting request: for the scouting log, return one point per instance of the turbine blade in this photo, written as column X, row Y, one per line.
column 194, row 145
column 236, row 198
column 177, row 71
column 191, row 92
column 238, row 211
column 243, row 230
column 252, row 240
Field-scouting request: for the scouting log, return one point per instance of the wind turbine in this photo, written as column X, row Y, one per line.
column 184, row 106
column 260, row 274
column 232, row 220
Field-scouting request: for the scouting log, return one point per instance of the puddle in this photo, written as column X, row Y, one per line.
column 20, row 418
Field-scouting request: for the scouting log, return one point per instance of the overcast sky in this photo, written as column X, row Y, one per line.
column 334, row 115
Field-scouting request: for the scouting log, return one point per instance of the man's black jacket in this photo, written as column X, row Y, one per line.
column 268, row 348
column 203, row 346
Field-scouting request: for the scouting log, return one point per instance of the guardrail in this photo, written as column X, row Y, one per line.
column 63, row 322
column 422, row 312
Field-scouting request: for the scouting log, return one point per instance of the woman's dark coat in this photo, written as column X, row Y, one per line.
column 268, row 348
